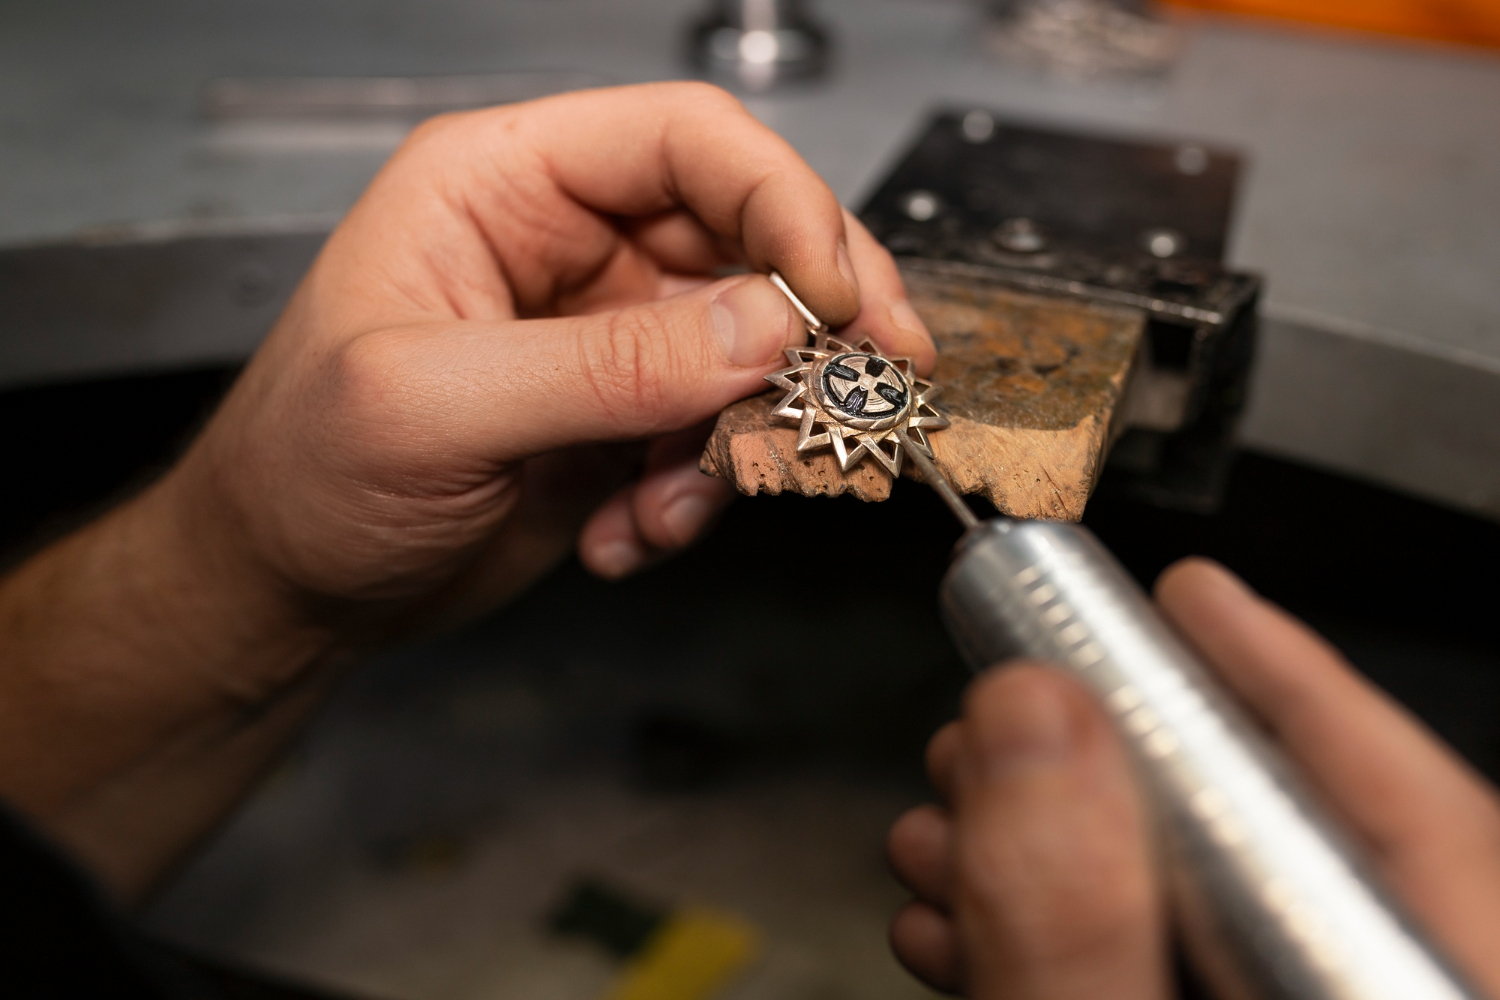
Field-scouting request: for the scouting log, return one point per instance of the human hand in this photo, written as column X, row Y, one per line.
column 517, row 283
column 1035, row 881
column 521, row 299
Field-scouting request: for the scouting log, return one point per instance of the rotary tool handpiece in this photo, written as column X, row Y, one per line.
column 1271, row 899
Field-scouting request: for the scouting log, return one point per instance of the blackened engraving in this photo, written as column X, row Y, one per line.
column 865, row 386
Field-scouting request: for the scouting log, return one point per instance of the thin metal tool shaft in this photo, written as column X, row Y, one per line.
column 938, row 481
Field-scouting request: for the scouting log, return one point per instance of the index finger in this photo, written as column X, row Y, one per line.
column 635, row 151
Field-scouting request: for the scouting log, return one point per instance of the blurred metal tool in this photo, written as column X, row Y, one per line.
column 1083, row 38
column 1271, row 897
column 755, row 44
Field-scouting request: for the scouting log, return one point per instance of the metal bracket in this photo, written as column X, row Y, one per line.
column 1133, row 224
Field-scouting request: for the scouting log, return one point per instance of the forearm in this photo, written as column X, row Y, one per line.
column 147, row 673
column 402, row 451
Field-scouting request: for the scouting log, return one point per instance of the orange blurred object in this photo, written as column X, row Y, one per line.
column 1476, row 22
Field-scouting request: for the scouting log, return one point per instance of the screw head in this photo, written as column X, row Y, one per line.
column 1191, row 160
column 920, row 205
column 1162, row 242
column 1020, row 235
column 978, row 126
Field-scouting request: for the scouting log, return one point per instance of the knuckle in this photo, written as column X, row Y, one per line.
column 698, row 92
column 942, row 752
column 374, row 385
column 440, row 135
column 630, row 366
column 1004, row 693
column 437, row 130
column 364, row 366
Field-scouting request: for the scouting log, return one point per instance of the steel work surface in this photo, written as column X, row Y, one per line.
column 1371, row 202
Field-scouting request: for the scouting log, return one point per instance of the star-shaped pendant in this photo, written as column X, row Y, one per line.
column 837, row 392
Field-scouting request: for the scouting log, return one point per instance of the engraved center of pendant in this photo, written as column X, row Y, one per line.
column 863, row 387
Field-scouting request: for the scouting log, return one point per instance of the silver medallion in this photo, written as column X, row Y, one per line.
column 838, row 393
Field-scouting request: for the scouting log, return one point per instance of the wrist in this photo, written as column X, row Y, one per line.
column 148, row 671
column 133, row 630
column 213, row 596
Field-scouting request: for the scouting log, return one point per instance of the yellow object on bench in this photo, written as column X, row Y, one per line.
column 691, row 956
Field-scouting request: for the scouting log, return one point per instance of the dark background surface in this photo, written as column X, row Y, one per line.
column 1404, row 587
column 848, row 689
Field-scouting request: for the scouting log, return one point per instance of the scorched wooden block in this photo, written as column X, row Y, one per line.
column 1031, row 384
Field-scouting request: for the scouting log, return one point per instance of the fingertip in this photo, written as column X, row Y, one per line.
column 1006, row 686
column 684, row 519
column 1022, row 714
column 942, row 753
column 825, row 290
column 753, row 322
column 886, row 314
column 608, row 545
column 1195, row 572
column 1201, row 597
column 918, row 825
column 912, row 335
column 924, row 941
column 920, row 849
column 846, row 268
column 813, row 255
column 674, row 507
column 613, row 560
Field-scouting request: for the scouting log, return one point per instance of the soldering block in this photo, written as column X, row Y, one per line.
column 1031, row 383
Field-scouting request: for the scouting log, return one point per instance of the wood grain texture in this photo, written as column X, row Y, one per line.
column 1030, row 383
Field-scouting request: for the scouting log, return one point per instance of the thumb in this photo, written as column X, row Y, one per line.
column 524, row 387
column 1055, row 898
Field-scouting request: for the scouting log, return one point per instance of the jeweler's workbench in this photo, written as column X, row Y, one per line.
column 1369, row 203
column 426, row 825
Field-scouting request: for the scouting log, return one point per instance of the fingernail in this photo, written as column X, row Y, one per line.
column 904, row 317
column 616, row 559
column 686, row 516
column 1035, row 727
column 846, row 267
column 753, row 321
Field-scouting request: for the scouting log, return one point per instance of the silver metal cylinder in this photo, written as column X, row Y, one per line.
column 756, row 44
column 1271, row 898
